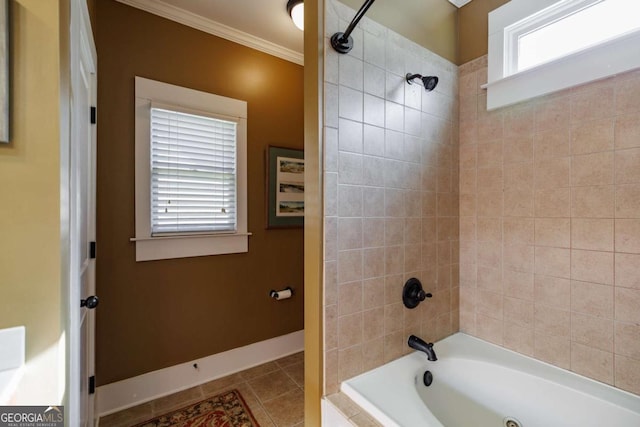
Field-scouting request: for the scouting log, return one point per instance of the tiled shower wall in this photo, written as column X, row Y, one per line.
column 550, row 225
column 391, row 197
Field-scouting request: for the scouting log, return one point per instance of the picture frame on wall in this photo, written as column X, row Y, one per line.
column 4, row 71
column 285, row 187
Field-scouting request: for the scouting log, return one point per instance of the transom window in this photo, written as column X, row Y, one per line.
column 539, row 47
column 568, row 27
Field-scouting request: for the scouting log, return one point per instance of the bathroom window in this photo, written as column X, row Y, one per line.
column 190, row 173
column 193, row 173
column 549, row 45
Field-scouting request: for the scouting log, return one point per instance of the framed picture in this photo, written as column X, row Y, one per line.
column 4, row 71
column 285, row 187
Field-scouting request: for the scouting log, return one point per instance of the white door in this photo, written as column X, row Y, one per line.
column 82, row 180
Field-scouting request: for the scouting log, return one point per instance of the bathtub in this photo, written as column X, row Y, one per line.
column 478, row 384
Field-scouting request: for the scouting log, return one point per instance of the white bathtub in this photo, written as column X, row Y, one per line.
column 478, row 384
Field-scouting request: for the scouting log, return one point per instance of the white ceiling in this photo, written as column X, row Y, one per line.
column 262, row 24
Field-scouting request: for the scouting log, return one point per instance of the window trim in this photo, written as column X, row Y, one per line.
column 148, row 247
column 594, row 63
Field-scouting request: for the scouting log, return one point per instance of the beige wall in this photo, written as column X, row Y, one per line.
column 390, row 199
column 550, row 225
column 160, row 313
column 30, row 283
column 473, row 28
column 458, row 35
column 430, row 23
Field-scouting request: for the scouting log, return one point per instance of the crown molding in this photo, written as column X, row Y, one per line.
column 459, row 3
column 215, row 28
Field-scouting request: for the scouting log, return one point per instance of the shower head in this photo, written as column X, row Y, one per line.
column 429, row 82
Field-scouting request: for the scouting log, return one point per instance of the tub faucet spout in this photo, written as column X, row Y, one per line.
column 418, row 344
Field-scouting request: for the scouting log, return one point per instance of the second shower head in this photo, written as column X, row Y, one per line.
column 429, row 82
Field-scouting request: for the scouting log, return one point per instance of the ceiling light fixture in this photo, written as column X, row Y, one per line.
column 296, row 11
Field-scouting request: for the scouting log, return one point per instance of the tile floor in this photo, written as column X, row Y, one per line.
column 273, row 391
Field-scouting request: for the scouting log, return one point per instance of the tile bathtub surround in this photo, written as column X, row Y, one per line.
column 551, row 266
column 391, row 197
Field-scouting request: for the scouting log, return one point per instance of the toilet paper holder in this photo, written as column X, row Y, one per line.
column 281, row 294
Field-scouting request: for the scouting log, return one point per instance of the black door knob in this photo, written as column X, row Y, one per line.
column 91, row 302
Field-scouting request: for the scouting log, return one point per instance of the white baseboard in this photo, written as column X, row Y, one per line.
column 127, row 393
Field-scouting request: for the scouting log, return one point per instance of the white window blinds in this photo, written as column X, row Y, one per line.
column 193, row 173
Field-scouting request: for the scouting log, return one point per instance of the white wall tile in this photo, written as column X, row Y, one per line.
column 412, row 121
column 350, row 168
column 331, row 105
column 358, row 43
column 374, row 80
column 394, row 173
column 413, row 148
column 373, row 110
column 373, row 202
column 394, row 88
column 394, row 116
column 331, row 235
column 394, row 203
column 413, row 96
column 331, row 64
column 331, row 194
column 330, row 149
column 349, row 233
column 395, row 57
column 413, row 176
column 351, row 72
column 349, row 201
column 393, row 144
column 373, row 140
column 374, row 49
column 373, row 171
column 413, row 65
column 350, row 136
column 350, row 103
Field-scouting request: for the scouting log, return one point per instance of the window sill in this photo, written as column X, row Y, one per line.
column 185, row 246
column 598, row 62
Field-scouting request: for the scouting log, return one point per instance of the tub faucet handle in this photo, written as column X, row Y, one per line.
column 413, row 294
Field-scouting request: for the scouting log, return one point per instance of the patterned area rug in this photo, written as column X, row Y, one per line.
column 224, row 410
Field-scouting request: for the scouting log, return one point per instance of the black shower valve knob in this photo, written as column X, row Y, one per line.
column 413, row 294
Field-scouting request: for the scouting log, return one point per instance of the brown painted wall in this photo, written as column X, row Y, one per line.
column 91, row 8
column 160, row 313
column 473, row 28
